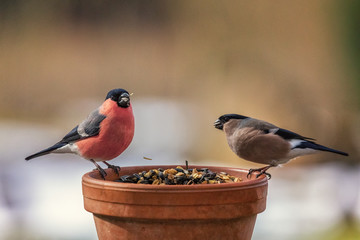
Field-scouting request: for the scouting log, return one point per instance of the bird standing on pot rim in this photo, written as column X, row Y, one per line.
column 262, row 142
column 103, row 135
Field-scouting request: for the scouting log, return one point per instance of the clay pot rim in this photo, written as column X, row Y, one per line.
column 93, row 179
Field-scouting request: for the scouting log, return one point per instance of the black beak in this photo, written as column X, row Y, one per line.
column 218, row 124
column 124, row 100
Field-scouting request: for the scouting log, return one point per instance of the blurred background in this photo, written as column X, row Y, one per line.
column 293, row 63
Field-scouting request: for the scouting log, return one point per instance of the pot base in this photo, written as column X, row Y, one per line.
column 133, row 229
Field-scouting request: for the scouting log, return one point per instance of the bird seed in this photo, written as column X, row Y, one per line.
column 178, row 176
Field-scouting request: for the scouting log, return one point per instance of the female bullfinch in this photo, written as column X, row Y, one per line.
column 103, row 135
column 262, row 142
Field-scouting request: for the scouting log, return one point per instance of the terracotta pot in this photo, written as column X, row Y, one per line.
column 208, row 211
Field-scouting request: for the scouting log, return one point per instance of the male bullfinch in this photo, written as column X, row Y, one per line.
column 262, row 142
column 103, row 135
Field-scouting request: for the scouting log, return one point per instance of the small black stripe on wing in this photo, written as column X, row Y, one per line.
column 307, row 144
column 286, row 134
column 73, row 135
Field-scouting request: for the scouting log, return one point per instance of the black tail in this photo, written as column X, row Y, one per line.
column 45, row 151
column 312, row 145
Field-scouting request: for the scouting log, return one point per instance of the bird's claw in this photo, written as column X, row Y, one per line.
column 102, row 173
column 113, row 167
column 268, row 175
column 262, row 171
column 249, row 173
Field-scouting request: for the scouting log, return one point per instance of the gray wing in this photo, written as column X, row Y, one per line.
column 270, row 128
column 88, row 128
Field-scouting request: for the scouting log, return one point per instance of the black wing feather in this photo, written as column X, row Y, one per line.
column 73, row 135
column 312, row 145
column 46, row 151
column 286, row 134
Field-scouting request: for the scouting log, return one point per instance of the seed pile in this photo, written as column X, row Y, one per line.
column 178, row 176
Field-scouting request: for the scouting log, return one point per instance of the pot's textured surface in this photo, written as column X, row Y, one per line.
column 206, row 211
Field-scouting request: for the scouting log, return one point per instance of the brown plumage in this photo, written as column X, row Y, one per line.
column 262, row 142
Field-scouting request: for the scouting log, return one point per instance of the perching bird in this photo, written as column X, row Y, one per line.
column 103, row 135
column 262, row 142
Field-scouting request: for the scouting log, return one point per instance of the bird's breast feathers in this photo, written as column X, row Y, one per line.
column 253, row 145
column 115, row 135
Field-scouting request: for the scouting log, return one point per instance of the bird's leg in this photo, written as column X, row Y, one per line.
column 113, row 167
column 262, row 171
column 102, row 171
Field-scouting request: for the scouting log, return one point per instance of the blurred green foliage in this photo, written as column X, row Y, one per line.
column 350, row 21
column 342, row 231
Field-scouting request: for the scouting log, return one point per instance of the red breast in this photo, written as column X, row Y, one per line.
column 116, row 133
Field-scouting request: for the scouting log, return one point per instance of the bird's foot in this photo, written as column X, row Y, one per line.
column 262, row 171
column 113, row 167
column 101, row 171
